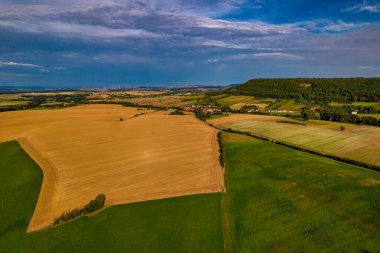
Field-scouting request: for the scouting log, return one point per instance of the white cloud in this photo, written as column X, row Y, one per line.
column 267, row 55
column 325, row 25
column 76, row 30
column 364, row 67
column 363, row 7
column 18, row 64
column 249, row 27
column 270, row 49
column 222, row 44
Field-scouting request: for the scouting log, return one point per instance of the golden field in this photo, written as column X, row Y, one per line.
column 87, row 150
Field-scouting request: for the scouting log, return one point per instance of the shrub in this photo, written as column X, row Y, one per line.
column 220, row 142
column 176, row 112
column 92, row 206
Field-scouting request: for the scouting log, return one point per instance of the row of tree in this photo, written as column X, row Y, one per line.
column 92, row 206
column 339, row 115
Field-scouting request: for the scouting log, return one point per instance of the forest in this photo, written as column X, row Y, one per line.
column 312, row 90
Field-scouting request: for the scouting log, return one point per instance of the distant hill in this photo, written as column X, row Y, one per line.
column 319, row 90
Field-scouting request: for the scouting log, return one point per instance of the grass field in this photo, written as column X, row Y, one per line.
column 87, row 150
column 360, row 143
column 183, row 224
column 282, row 200
column 9, row 97
column 7, row 103
column 374, row 104
column 377, row 116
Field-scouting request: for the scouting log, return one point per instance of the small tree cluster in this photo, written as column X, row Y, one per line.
column 307, row 113
column 92, row 206
column 176, row 112
column 248, row 109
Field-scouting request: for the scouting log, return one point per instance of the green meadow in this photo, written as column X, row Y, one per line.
column 282, row 200
column 357, row 143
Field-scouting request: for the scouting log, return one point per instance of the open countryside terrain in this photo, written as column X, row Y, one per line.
column 332, row 206
column 182, row 224
column 277, row 199
column 87, row 150
column 360, row 143
column 282, row 200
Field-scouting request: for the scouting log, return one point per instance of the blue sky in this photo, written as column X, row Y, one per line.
column 174, row 42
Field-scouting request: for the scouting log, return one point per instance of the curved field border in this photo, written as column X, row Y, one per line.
column 44, row 207
column 180, row 224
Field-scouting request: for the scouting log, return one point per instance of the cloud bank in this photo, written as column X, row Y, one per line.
column 179, row 42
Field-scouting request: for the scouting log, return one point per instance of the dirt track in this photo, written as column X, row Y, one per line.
column 86, row 150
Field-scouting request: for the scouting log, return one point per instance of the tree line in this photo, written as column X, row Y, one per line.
column 92, row 206
column 338, row 114
column 38, row 101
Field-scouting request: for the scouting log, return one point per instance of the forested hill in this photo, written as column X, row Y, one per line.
column 317, row 90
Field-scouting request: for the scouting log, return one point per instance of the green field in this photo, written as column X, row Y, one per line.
column 225, row 99
column 377, row 116
column 370, row 104
column 7, row 103
column 358, row 143
column 285, row 104
column 231, row 100
column 282, row 200
column 183, row 224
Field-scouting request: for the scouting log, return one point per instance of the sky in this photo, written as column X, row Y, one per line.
column 93, row 43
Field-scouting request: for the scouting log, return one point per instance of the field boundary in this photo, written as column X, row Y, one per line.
column 226, row 219
column 48, row 187
column 311, row 151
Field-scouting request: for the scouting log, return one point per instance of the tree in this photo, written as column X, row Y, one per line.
column 307, row 113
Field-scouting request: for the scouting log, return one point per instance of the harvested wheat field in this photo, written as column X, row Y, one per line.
column 87, row 150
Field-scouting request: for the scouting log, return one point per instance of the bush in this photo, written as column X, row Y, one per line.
column 176, row 112
column 92, row 206
column 342, row 128
column 220, row 142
